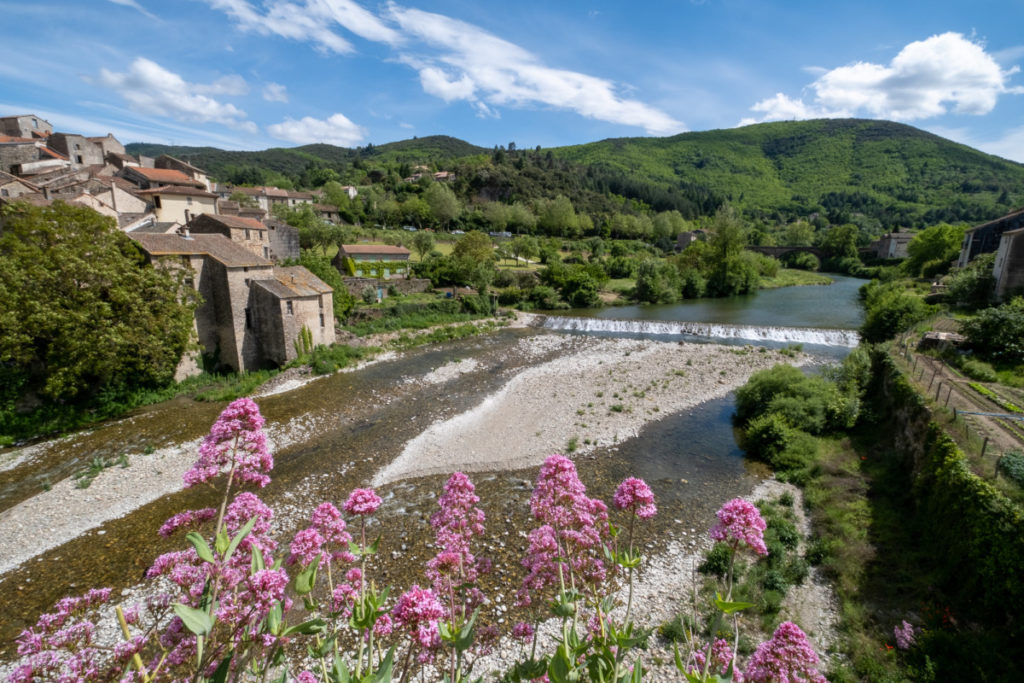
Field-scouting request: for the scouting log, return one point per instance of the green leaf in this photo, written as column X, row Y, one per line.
column 383, row 674
column 257, row 560
column 196, row 620
column 223, row 669
column 242, row 533
column 202, row 548
column 274, row 618
column 307, row 628
column 558, row 667
column 339, row 671
column 372, row 550
column 222, row 541
column 465, row 637
column 730, row 607
column 305, row 579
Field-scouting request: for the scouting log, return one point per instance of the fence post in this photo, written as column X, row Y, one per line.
column 933, row 380
column 984, row 445
column 948, row 395
column 938, row 390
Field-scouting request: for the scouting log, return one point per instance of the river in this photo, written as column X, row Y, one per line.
column 336, row 432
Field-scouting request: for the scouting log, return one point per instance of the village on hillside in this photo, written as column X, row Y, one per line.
column 254, row 309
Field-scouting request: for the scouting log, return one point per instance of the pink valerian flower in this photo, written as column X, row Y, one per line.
column 306, row 547
column 740, row 523
column 188, row 518
column 786, row 658
column 541, row 562
column 244, row 507
column 635, row 495
column 904, row 635
column 383, row 626
column 522, row 631
column 418, row 611
column 306, row 677
column 236, row 440
column 721, row 658
column 455, row 524
column 362, row 502
column 60, row 646
column 328, row 522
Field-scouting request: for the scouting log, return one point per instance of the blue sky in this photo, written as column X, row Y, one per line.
column 252, row 74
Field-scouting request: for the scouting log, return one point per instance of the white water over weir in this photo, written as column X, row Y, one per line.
column 755, row 333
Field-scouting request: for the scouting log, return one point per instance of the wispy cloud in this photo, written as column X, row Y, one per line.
column 336, row 130
column 275, row 92
column 136, row 6
column 312, row 21
column 151, row 89
column 928, row 78
column 466, row 62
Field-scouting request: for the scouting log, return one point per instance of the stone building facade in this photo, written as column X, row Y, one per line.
column 1008, row 270
column 284, row 240
column 25, row 126
column 985, row 238
column 248, row 232
column 77, row 148
column 282, row 307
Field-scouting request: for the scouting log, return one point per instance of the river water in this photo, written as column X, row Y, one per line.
column 355, row 422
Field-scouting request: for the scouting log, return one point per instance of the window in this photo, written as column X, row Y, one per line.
column 320, row 300
column 247, row 236
column 188, row 200
column 78, row 158
column 156, row 201
column 321, row 320
column 35, row 123
column 248, row 318
column 288, row 307
column 266, row 252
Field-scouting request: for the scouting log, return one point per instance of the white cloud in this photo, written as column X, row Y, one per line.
column 151, row 89
column 468, row 63
column 134, row 5
column 928, row 78
column 336, row 130
column 226, row 85
column 312, row 21
column 275, row 92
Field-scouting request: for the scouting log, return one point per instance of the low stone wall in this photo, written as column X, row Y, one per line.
column 355, row 285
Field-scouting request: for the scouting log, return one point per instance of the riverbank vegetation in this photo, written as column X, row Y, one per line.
column 858, row 439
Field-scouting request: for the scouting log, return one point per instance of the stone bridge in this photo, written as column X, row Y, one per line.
column 780, row 251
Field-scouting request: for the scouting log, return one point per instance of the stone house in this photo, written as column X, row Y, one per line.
column 267, row 198
column 328, row 212
column 108, row 144
column 148, row 178
column 891, row 245
column 77, row 148
column 248, row 232
column 179, row 203
column 244, row 323
column 12, row 187
column 380, row 261
column 1008, row 270
column 282, row 307
column 985, row 238
column 165, row 161
column 25, row 126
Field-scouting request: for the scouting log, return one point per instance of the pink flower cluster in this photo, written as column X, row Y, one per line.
column 635, row 495
column 235, row 440
column 740, row 523
column 60, row 646
column 786, row 658
column 721, row 658
column 188, row 518
column 455, row 524
column 362, row 502
column 904, row 635
column 418, row 611
column 313, row 543
column 573, row 530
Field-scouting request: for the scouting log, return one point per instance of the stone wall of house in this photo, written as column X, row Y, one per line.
column 269, row 317
column 1009, row 266
column 284, row 241
column 13, row 154
column 77, row 148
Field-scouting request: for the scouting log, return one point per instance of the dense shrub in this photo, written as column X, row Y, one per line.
column 889, row 309
column 802, row 260
column 998, row 332
column 1012, row 466
column 978, row 369
column 813, row 404
column 657, row 282
column 973, row 287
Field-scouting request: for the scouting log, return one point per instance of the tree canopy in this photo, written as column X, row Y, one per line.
column 80, row 309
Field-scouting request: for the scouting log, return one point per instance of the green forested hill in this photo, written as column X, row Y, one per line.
column 839, row 168
column 890, row 171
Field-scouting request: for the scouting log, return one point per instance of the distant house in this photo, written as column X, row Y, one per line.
column 168, row 162
column 179, row 202
column 1008, row 269
column 252, row 313
column 267, row 198
column 328, row 212
column 77, row 148
column 248, row 232
column 148, row 178
column 12, row 187
column 891, row 245
column 379, row 261
column 985, row 238
column 25, row 126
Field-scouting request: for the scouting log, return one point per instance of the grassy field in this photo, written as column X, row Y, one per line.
column 789, row 277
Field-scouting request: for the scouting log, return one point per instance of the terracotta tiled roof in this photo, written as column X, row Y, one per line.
column 164, row 176
column 217, row 247
column 49, row 152
column 174, row 189
column 11, row 138
column 373, row 249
